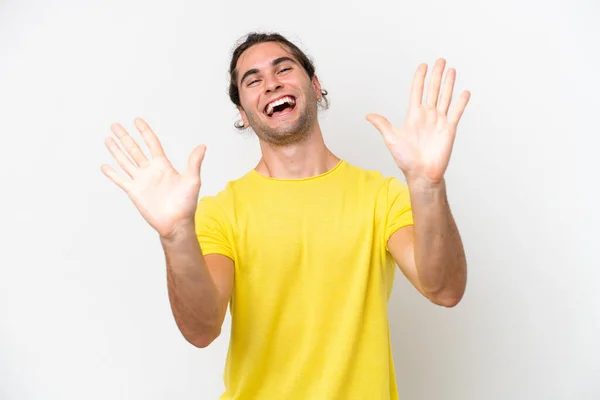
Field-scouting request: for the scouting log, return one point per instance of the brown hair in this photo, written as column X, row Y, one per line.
column 257, row 38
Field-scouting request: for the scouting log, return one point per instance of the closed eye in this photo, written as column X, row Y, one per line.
column 282, row 70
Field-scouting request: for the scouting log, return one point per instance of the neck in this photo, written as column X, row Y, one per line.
column 307, row 158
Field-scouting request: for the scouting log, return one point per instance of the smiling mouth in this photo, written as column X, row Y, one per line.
column 282, row 106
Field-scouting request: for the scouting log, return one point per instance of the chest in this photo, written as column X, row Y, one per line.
column 306, row 237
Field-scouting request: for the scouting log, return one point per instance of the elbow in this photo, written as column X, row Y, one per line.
column 448, row 302
column 201, row 343
column 449, row 295
column 203, row 340
column 446, row 299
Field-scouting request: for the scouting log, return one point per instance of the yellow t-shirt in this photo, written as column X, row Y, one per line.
column 313, row 276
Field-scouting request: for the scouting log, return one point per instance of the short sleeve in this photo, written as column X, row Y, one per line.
column 399, row 210
column 211, row 228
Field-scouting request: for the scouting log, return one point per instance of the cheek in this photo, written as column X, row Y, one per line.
column 249, row 101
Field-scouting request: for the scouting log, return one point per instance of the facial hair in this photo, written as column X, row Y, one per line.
column 287, row 132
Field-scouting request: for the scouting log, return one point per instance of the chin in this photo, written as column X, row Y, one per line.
column 283, row 137
column 285, row 131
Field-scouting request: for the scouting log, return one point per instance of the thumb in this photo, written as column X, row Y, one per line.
column 381, row 123
column 195, row 161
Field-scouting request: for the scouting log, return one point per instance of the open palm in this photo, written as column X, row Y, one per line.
column 422, row 146
column 166, row 199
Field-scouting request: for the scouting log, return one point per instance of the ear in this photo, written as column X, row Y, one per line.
column 316, row 86
column 244, row 116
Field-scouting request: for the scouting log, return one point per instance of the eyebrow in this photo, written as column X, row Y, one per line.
column 274, row 63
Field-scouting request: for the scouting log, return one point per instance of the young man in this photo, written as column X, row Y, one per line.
column 304, row 246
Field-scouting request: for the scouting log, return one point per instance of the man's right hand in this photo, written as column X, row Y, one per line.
column 165, row 198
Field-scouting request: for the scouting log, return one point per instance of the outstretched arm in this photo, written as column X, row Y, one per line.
column 199, row 287
column 430, row 253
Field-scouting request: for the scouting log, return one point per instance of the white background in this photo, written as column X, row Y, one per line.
column 84, row 312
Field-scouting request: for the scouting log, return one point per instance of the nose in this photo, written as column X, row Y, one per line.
column 272, row 85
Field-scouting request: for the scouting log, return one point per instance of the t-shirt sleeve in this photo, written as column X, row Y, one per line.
column 211, row 228
column 399, row 210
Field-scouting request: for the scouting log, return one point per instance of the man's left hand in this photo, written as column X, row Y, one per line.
column 422, row 146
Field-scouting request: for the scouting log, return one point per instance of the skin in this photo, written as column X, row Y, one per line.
column 430, row 253
column 267, row 82
column 292, row 146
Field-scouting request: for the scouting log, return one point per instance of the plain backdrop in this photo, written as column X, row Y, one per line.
column 84, row 312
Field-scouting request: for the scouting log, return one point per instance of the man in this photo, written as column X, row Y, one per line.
column 304, row 246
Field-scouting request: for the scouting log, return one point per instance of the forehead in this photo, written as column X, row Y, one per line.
column 260, row 56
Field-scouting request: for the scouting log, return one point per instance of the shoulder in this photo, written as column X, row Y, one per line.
column 221, row 201
column 384, row 184
column 365, row 173
column 227, row 192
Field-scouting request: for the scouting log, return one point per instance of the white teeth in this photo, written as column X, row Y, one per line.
column 276, row 103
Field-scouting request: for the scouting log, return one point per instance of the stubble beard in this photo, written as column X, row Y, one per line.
column 288, row 132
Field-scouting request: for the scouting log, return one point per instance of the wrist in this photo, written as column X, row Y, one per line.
column 181, row 232
column 419, row 183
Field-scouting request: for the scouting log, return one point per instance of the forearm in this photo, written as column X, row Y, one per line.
column 193, row 295
column 439, row 253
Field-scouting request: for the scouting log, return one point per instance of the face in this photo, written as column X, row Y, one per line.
column 279, row 100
